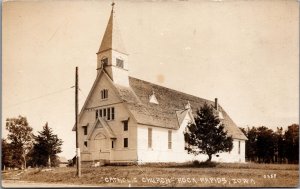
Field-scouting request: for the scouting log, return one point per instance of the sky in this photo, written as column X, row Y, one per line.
column 245, row 53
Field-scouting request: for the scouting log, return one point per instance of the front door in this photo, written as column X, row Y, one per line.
column 101, row 142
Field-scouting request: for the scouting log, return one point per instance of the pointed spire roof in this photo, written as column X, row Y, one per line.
column 112, row 38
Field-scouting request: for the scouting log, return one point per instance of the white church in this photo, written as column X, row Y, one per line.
column 128, row 120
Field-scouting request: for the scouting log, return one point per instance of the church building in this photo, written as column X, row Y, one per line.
column 128, row 120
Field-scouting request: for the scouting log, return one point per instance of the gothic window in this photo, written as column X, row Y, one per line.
column 149, row 137
column 169, row 139
column 120, row 63
column 112, row 113
column 104, row 112
column 107, row 113
column 85, row 143
column 104, row 93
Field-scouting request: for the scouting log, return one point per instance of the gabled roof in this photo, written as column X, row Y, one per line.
column 104, row 125
column 170, row 101
column 181, row 115
column 112, row 39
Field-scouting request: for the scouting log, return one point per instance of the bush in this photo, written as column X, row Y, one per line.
column 204, row 164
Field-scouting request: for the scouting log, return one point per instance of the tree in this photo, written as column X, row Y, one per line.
column 280, row 146
column 6, row 155
column 46, row 146
column 21, row 137
column 292, row 143
column 251, row 150
column 265, row 144
column 206, row 135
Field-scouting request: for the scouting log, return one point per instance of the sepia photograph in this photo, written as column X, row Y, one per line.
column 150, row 93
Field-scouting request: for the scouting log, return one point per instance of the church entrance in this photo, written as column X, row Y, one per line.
column 101, row 146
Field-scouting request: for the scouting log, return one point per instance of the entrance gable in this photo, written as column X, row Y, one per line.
column 102, row 125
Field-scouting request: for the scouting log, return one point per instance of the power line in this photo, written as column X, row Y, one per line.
column 81, row 92
column 42, row 96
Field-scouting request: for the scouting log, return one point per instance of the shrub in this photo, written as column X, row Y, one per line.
column 204, row 164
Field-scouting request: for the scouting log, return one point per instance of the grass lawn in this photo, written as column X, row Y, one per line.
column 222, row 175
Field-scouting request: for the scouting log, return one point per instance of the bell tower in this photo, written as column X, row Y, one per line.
column 112, row 57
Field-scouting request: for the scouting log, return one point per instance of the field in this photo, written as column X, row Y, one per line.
column 220, row 175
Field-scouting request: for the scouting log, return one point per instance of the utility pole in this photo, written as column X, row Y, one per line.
column 78, row 162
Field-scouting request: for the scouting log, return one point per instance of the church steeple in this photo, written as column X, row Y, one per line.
column 112, row 56
column 112, row 36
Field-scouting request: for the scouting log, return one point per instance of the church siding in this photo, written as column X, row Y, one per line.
column 160, row 152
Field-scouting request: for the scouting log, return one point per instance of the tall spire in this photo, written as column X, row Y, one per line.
column 112, row 38
column 113, row 4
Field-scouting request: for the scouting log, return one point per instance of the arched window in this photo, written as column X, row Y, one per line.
column 104, row 93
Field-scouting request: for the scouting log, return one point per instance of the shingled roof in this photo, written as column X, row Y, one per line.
column 170, row 101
